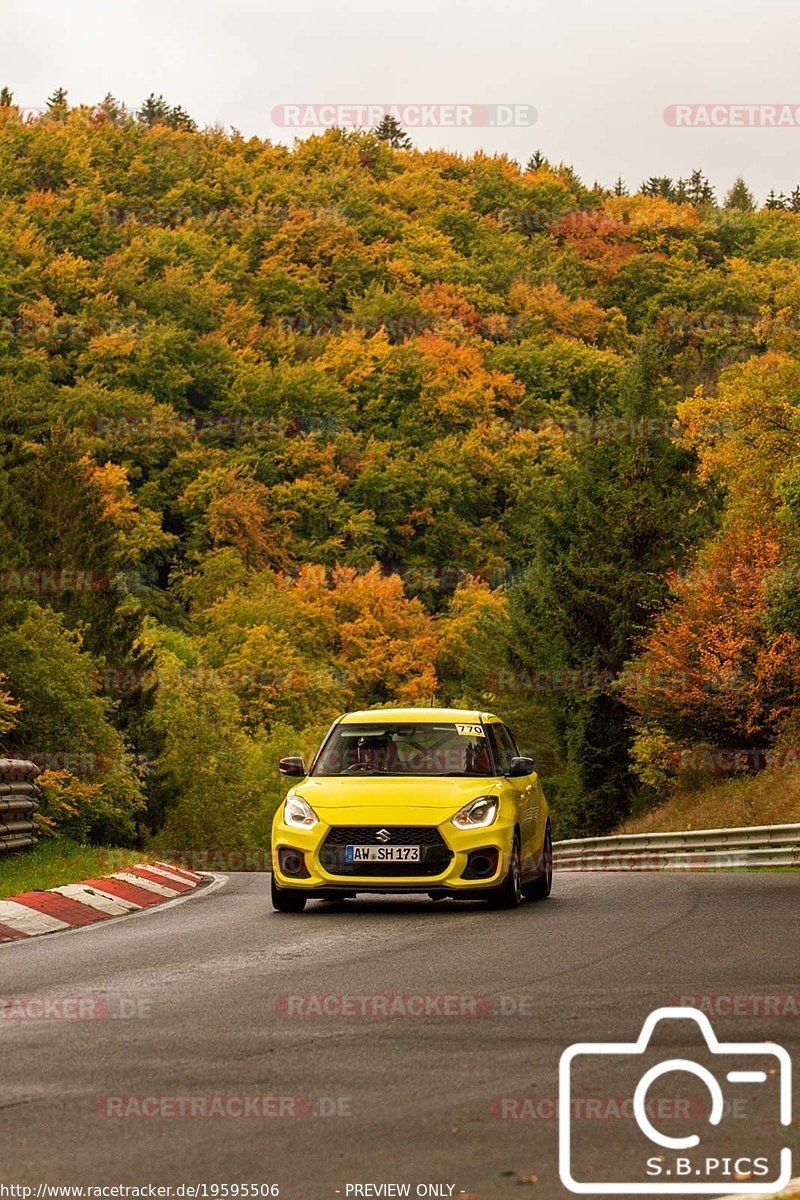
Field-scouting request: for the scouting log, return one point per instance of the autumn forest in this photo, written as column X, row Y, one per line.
column 294, row 430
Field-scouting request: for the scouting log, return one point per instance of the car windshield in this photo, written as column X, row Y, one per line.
column 427, row 748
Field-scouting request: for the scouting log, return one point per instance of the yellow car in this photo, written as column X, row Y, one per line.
column 398, row 800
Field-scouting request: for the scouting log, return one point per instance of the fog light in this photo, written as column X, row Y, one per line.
column 481, row 864
column 292, row 862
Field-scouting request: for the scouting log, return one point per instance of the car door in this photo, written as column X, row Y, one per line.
column 531, row 804
column 539, row 814
column 520, row 789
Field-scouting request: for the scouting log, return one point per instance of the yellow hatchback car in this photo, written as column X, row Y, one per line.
column 398, row 800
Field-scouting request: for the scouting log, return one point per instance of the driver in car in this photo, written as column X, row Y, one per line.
column 374, row 753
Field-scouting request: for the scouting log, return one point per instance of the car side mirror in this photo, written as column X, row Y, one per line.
column 521, row 766
column 292, row 766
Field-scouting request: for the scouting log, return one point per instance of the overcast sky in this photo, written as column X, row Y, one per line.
column 599, row 74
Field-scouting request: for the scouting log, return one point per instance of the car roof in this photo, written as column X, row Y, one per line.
column 377, row 716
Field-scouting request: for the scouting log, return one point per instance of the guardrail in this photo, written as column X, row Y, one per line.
column 692, row 850
column 18, row 802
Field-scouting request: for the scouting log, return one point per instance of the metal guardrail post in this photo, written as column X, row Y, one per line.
column 18, row 803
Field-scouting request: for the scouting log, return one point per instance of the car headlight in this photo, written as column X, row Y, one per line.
column 477, row 814
column 298, row 813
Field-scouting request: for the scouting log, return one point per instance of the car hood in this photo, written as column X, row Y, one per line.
column 402, row 800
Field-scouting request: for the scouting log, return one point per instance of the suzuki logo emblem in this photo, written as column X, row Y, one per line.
column 383, row 835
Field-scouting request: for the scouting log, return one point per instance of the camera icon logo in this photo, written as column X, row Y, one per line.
column 682, row 1164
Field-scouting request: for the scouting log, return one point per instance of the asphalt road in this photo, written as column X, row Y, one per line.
column 431, row 1099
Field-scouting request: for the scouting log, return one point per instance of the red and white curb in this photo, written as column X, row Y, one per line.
column 76, row 904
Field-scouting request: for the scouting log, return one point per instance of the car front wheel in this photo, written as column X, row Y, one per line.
column 541, row 886
column 509, row 893
column 287, row 900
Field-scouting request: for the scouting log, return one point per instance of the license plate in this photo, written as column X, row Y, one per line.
column 382, row 853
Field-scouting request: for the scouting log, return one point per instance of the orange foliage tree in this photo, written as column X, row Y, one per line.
column 712, row 670
column 720, row 666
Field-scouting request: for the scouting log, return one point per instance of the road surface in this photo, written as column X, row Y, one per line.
column 210, row 1004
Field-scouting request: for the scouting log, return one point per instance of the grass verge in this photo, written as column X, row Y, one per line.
column 769, row 798
column 56, row 861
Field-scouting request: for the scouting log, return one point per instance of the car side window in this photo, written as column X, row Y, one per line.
column 502, row 746
column 490, row 733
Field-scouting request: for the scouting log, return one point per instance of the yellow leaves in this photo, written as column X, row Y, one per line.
column 387, row 641
column 318, row 242
column 758, row 280
column 111, row 350
column 140, row 529
column 472, row 603
column 8, row 708
column 118, row 503
column 344, row 636
column 609, row 236
column 426, row 252
column 70, row 279
column 240, row 324
column 402, row 274
column 458, row 385
column 29, row 246
column 702, row 418
column 550, row 309
column 68, row 801
column 273, row 679
column 39, row 322
column 354, row 356
column 43, row 203
column 423, row 189
column 237, row 516
column 746, row 435
column 444, row 302
column 648, row 212
column 179, row 289
column 236, row 513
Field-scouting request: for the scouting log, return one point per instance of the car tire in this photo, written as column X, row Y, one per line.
column 541, row 887
column 287, row 900
column 509, row 893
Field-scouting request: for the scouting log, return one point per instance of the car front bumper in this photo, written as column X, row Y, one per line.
column 326, row 873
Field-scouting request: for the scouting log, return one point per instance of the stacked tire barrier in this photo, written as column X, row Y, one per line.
column 691, row 850
column 19, row 797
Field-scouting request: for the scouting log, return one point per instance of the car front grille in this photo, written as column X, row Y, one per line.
column 435, row 857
